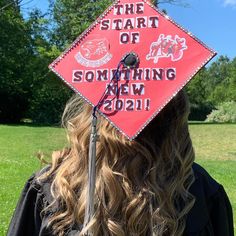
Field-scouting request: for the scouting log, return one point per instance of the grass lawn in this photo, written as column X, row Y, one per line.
column 215, row 149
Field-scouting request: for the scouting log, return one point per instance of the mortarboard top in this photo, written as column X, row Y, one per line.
column 167, row 58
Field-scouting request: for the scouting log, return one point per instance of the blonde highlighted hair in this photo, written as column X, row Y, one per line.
column 142, row 186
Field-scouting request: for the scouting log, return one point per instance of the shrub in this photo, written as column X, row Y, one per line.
column 225, row 113
column 48, row 102
column 199, row 112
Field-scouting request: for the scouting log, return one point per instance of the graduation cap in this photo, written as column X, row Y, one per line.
column 130, row 63
column 165, row 58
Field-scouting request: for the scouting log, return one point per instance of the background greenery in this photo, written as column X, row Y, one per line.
column 29, row 45
column 214, row 144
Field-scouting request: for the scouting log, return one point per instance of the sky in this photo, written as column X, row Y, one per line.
column 212, row 21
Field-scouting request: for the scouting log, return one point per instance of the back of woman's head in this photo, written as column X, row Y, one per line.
column 141, row 185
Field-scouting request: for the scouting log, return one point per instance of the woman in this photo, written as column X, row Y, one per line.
column 149, row 186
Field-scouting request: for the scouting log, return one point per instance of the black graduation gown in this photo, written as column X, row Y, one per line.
column 211, row 214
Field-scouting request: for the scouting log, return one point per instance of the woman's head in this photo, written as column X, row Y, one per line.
column 77, row 121
column 136, row 181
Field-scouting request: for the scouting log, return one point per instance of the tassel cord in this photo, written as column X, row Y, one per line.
column 89, row 210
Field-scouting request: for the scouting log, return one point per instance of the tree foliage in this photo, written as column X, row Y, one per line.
column 15, row 53
column 49, row 93
column 73, row 17
column 212, row 86
column 28, row 46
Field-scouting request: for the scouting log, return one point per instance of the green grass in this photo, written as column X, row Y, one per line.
column 18, row 148
column 215, row 149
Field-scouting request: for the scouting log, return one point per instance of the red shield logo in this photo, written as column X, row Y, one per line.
column 94, row 52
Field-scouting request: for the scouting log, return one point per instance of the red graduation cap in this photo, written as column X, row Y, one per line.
column 160, row 59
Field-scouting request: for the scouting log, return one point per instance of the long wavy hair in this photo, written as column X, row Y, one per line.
column 142, row 186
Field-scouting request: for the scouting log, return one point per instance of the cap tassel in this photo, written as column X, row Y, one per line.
column 89, row 210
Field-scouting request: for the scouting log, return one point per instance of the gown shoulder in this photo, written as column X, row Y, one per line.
column 28, row 218
column 211, row 214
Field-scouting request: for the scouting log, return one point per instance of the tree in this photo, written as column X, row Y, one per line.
column 25, row 53
column 73, row 17
column 15, row 53
column 49, row 94
column 198, row 96
column 212, row 86
column 223, row 79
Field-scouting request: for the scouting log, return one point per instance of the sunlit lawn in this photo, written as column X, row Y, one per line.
column 215, row 149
